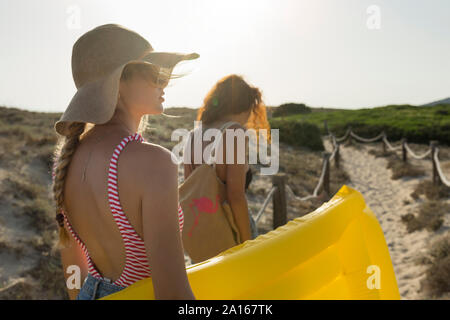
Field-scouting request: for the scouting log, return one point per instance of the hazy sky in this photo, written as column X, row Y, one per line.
column 345, row 54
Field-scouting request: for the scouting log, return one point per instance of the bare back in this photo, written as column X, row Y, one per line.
column 86, row 202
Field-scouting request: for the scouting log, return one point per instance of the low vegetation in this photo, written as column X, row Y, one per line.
column 416, row 124
column 430, row 216
column 300, row 134
column 290, row 109
column 436, row 283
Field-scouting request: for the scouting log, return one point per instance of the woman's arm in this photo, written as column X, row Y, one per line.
column 235, row 185
column 162, row 237
column 187, row 157
column 187, row 170
column 73, row 256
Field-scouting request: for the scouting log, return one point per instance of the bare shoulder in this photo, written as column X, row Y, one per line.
column 154, row 162
column 154, row 150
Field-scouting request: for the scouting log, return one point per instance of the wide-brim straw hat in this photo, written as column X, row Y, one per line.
column 98, row 59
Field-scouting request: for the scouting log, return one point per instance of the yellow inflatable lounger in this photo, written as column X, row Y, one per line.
column 335, row 252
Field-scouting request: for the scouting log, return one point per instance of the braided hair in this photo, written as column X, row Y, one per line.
column 62, row 157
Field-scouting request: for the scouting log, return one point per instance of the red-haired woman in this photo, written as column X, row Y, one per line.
column 233, row 99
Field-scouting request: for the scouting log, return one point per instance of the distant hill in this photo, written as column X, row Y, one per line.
column 417, row 124
column 443, row 101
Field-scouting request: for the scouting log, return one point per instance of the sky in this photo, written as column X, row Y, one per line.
column 324, row 53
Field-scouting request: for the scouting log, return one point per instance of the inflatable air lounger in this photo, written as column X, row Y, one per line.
column 335, row 252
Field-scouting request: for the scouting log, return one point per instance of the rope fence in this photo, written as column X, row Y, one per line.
column 277, row 192
column 412, row 154
column 390, row 147
column 438, row 174
column 441, row 175
column 361, row 139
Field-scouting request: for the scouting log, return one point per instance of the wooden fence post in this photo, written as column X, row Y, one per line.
column 404, row 154
column 436, row 178
column 350, row 140
column 279, row 201
column 384, row 143
column 326, row 178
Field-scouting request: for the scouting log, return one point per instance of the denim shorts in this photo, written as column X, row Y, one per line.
column 94, row 288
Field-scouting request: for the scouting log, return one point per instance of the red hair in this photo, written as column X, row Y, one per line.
column 233, row 95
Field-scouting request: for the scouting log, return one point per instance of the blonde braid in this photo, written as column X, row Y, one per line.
column 62, row 157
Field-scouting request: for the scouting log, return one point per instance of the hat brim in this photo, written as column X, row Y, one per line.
column 95, row 102
column 168, row 59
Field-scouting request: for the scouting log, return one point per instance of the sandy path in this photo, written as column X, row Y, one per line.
column 386, row 197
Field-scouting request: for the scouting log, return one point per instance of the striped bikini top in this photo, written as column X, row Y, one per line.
column 136, row 263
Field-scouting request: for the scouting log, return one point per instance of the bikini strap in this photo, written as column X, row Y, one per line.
column 222, row 128
column 190, row 140
column 113, row 192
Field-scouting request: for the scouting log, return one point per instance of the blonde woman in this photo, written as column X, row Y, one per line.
column 233, row 100
column 116, row 195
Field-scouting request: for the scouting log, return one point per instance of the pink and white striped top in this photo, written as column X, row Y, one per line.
column 136, row 263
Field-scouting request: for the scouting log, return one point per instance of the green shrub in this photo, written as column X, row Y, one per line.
column 290, row 108
column 301, row 134
column 416, row 124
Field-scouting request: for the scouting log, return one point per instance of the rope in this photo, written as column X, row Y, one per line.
column 334, row 150
column 266, row 202
column 292, row 194
column 381, row 135
column 384, row 139
column 390, row 147
column 415, row 156
column 316, row 189
column 319, row 184
column 334, row 142
column 342, row 139
column 332, row 155
column 439, row 169
column 307, row 198
column 314, row 195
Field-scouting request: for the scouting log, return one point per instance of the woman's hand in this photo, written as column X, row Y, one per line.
column 73, row 256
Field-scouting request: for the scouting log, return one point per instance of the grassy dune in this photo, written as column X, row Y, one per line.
column 417, row 124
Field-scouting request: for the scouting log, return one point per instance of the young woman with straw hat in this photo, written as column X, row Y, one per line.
column 116, row 195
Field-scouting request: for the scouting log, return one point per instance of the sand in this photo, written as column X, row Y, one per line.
column 389, row 200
